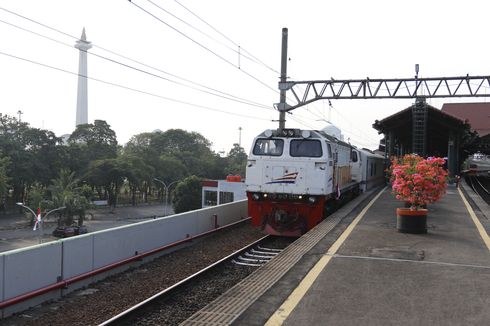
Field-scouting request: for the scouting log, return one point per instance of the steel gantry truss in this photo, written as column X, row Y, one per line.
column 305, row 92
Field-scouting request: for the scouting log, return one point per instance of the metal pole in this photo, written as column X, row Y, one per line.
column 165, row 188
column 282, row 94
column 166, row 202
column 168, row 189
column 239, row 136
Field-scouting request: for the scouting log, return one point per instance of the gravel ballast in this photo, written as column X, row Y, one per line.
column 106, row 298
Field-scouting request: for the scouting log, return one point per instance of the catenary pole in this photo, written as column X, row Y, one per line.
column 282, row 93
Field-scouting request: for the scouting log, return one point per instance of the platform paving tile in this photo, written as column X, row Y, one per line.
column 382, row 277
column 236, row 300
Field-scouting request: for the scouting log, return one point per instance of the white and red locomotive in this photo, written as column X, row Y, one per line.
column 295, row 178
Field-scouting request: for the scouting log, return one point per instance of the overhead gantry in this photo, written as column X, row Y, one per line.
column 305, row 92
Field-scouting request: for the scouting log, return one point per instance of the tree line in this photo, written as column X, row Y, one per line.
column 43, row 170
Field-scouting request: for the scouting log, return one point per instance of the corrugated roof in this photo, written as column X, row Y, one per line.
column 477, row 114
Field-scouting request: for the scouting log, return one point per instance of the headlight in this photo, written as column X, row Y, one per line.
column 255, row 197
column 265, row 195
column 311, row 200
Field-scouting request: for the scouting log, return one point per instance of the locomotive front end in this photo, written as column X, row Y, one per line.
column 287, row 180
column 285, row 214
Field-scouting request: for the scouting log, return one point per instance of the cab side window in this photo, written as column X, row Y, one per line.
column 354, row 157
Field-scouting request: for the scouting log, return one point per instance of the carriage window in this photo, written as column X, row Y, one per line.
column 354, row 156
column 272, row 147
column 305, row 148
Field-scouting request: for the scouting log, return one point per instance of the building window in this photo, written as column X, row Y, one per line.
column 210, row 198
column 225, row 197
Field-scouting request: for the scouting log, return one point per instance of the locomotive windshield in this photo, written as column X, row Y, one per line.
column 305, row 148
column 272, row 147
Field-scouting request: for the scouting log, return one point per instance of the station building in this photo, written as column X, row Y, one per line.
column 478, row 116
column 428, row 131
column 218, row 192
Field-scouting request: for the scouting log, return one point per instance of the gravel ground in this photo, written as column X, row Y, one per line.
column 102, row 300
column 181, row 305
column 192, row 297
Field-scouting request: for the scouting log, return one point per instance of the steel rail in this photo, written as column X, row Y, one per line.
column 126, row 313
column 482, row 186
column 64, row 283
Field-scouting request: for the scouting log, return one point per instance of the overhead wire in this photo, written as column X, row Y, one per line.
column 184, row 79
column 117, row 62
column 203, row 33
column 353, row 135
column 225, row 95
column 227, row 38
column 202, row 46
column 129, row 88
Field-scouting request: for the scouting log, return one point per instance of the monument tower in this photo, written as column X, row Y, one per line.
column 82, row 99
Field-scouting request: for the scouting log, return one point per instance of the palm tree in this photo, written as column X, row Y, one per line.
column 65, row 192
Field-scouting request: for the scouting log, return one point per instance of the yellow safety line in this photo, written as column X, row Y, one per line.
column 479, row 226
column 294, row 298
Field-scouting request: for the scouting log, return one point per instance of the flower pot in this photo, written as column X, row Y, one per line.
column 411, row 221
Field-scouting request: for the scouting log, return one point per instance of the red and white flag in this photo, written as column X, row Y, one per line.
column 38, row 219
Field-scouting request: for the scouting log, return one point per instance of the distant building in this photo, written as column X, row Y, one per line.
column 218, row 192
column 64, row 139
column 477, row 115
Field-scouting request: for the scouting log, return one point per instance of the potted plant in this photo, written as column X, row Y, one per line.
column 418, row 182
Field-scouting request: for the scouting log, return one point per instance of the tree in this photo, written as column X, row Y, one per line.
column 237, row 161
column 34, row 155
column 141, row 175
column 98, row 133
column 174, row 141
column 4, row 181
column 176, row 153
column 187, row 195
column 91, row 142
column 65, row 192
column 109, row 174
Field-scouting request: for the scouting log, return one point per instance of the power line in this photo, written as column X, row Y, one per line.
column 227, row 38
column 202, row 46
column 353, row 136
column 130, row 88
column 226, row 95
column 41, row 24
column 235, row 99
column 345, row 119
column 76, row 38
column 203, row 33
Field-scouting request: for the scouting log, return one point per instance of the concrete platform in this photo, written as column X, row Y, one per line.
column 374, row 275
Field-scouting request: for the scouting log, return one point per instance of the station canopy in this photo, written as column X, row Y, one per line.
column 439, row 128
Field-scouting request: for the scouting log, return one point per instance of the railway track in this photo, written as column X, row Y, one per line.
column 197, row 290
column 480, row 185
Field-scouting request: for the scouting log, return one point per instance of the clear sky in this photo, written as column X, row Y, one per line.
column 339, row 39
